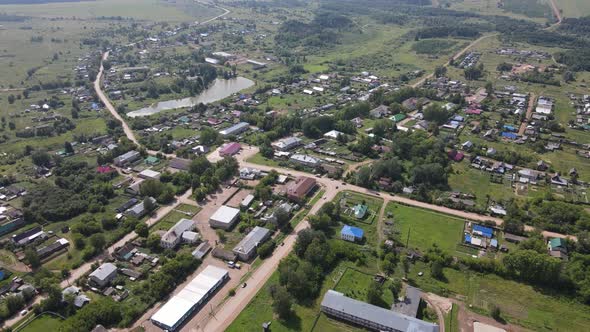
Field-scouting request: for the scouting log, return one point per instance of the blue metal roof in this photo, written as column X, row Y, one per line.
column 509, row 128
column 509, row 135
column 485, row 231
column 467, row 238
column 353, row 231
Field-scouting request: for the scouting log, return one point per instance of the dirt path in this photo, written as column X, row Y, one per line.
column 556, row 11
column 529, row 113
column 354, row 167
column 159, row 214
column 441, row 305
column 455, row 57
column 107, row 103
column 225, row 12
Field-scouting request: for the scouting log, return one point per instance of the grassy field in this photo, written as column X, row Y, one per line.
column 574, row 8
column 531, row 8
column 520, row 304
column 469, row 180
column 153, row 10
column 42, row 324
column 182, row 211
column 261, row 160
column 426, row 228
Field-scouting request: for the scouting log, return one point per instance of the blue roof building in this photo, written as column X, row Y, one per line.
column 483, row 231
column 351, row 233
column 467, row 238
column 509, row 128
column 509, row 135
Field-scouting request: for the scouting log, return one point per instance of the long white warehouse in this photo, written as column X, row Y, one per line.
column 172, row 314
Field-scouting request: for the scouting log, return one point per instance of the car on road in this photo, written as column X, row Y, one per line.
column 244, row 285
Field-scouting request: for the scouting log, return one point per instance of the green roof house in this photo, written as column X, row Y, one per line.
column 151, row 160
column 397, row 117
column 360, row 211
column 556, row 243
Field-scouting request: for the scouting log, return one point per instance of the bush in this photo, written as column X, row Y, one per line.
column 266, row 249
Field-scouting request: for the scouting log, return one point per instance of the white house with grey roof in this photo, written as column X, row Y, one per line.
column 127, row 158
column 287, row 143
column 246, row 249
column 103, row 275
column 174, row 235
column 371, row 317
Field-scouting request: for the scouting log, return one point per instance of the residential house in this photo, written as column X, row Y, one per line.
column 103, row 275
column 305, row 160
column 139, row 209
column 380, row 111
column 333, row 134
column 173, row 236
column 127, row 158
column 557, row 248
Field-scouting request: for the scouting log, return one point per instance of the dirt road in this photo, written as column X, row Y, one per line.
column 334, row 186
column 159, row 214
column 107, row 103
column 225, row 12
column 556, row 11
column 232, row 307
column 455, row 57
column 529, row 113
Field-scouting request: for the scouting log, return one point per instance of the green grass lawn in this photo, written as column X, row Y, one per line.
column 520, row 304
column 168, row 221
column 426, row 228
column 43, row 323
column 259, row 310
column 472, row 181
column 451, row 321
column 574, row 8
column 355, row 284
column 259, row 159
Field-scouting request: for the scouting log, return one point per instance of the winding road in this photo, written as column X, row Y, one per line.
column 107, row 103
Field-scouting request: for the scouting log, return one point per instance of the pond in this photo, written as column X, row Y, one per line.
column 220, row 89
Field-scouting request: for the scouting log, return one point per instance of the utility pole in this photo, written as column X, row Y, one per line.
column 408, row 239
